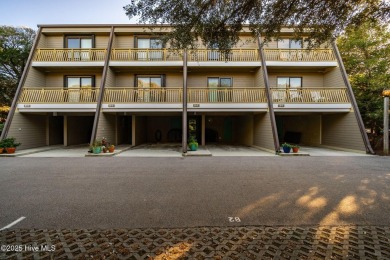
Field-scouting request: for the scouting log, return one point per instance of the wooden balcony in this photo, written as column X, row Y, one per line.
column 200, row 55
column 300, row 55
column 235, row 55
column 226, row 95
column 146, row 55
column 69, row 55
column 143, row 95
column 310, row 96
column 58, row 96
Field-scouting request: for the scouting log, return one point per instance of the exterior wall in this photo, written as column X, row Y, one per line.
column 56, row 80
column 110, row 80
column 107, row 128
column 140, row 130
column 259, row 79
column 309, row 80
column 243, row 130
column 262, row 132
column 342, row 130
column 55, row 42
column 35, row 78
column 123, row 42
column 333, row 78
column 124, row 80
column 246, row 42
column 101, row 41
column 240, row 80
column 79, row 129
column 30, row 130
column 42, row 41
column 308, row 125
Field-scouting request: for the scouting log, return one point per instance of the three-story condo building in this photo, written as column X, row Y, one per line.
column 120, row 82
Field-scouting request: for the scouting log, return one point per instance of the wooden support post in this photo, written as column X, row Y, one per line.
column 65, row 130
column 184, row 122
column 203, row 130
column 386, row 126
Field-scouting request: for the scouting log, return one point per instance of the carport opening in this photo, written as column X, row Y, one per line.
column 125, row 129
column 79, row 129
column 56, row 130
column 299, row 129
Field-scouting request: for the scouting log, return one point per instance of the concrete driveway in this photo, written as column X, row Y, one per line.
column 71, row 151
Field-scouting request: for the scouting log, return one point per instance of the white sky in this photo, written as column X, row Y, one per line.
column 30, row 13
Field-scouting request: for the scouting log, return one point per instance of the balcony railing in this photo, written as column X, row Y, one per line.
column 310, row 95
column 226, row 95
column 143, row 95
column 146, row 55
column 215, row 55
column 60, row 55
column 58, row 96
column 299, row 55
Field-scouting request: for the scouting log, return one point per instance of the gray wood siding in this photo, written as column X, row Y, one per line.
column 30, row 130
column 309, row 80
column 124, row 42
column 333, row 78
column 35, row 79
column 124, row 80
column 308, row 125
column 42, row 41
column 110, row 80
column 259, row 79
column 101, row 41
column 341, row 130
column 107, row 128
column 55, row 42
column 262, row 131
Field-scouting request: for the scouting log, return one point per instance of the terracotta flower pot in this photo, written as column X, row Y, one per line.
column 10, row 149
column 295, row 149
column 1, row 150
column 111, row 150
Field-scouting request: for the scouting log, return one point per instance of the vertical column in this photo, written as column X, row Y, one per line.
column 116, row 129
column 47, row 131
column 133, row 130
column 65, row 130
column 203, row 130
column 269, row 96
column 184, row 123
column 386, row 94
column 102, row 86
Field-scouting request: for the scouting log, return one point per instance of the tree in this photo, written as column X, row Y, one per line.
column 218, row 22
column 15, row 46
column 366, row 54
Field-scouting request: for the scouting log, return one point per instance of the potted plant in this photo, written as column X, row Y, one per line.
column 10, row 144
column 1, row 147
column 193, row 144
column 96, row 147
column 111, row 148
column 286, row 148
column 295, row 148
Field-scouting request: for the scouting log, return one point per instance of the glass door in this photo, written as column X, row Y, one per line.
column 212, row 84
column 77, row 43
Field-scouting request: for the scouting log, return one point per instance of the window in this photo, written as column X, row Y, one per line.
column 79, row 42
column 289, row 44
column 75, row 86
column 150, row 87
column 152, row 48
column 289, row 88
column 289, row 82
column 215, row 83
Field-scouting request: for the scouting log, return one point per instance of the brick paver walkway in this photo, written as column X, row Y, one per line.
column 248, row 242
